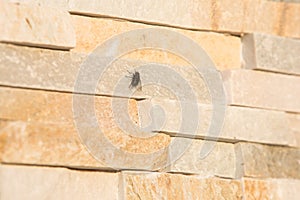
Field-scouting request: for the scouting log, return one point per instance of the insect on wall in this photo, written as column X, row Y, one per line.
column 135, row 80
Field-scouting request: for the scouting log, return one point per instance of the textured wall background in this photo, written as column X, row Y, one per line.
column 255, row 47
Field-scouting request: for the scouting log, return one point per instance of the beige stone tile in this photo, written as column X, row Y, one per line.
column 225, row 16
column 55, row 107
column 224, row 50
column 262, row 90
column 38, row 68
column 277, row 189
column 263, row 161
column 219, row 162
column 271, row 53
column 139, row 185
column 60, row 145
column 35, row 25
column 55, row 70
column 31, row 182
column 240, row 123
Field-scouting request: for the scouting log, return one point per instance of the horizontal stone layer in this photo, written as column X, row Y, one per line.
column 271, row 53
column 21, row 182
column 224, row 50
column 176, row 186
column 63, row 145
column 33, row 182
column 246, row 16
column 35, row 25
column 263, row 161
column 277, row 18
column 220, row 160
column 139, row 185
column 57, row 107
column 262, row 90
column 60, row 145
column 278, row 189
column 54, row 70
column 226, row 16
column 240, row 123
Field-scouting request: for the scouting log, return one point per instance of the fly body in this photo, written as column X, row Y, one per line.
column 135, row 80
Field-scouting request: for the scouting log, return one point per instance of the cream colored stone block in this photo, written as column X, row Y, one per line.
column 219, row 162
column 35, row 25
column 263, row 161
column 277, row 189
column 55, row 107
column 224, row 50
column 262, row 90
column 60, row 145
column 240, row 123
column 224, row 16
column 31, row 182
column 53, row 70
column 144, row 185
column 271, row 53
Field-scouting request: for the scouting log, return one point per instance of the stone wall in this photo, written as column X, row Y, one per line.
column 45, row 154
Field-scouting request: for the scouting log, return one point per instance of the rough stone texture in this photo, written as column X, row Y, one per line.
column 263, row 161
column 224, row 50
column 54, row 107
column 240, row 123
column 43, row 144
column 36, row 26
column 271, row 53
column 21, row 182
column 54, row 70
column 226, row 16
column 38, row 68
column 219, row 162
column 50, row 115
column 277, row 189
column 139, row 185
column 61, row 4
column 262, row 90
column 291, row 1
column 60, row 145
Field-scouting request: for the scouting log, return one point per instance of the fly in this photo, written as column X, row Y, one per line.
column 135, row 80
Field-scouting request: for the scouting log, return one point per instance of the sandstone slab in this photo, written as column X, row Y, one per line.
column 277, row 189
column 35, row 25
column 56, row 107
column 240, row 123
column 226, row 16
column 271, row 53
column 30, row 182
column 70, row 72
column 263, row 161
column 60, row 145
column 219, row 162
column 143, row 185
column 224, row 50
column 262, row 90
column 38, row 68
